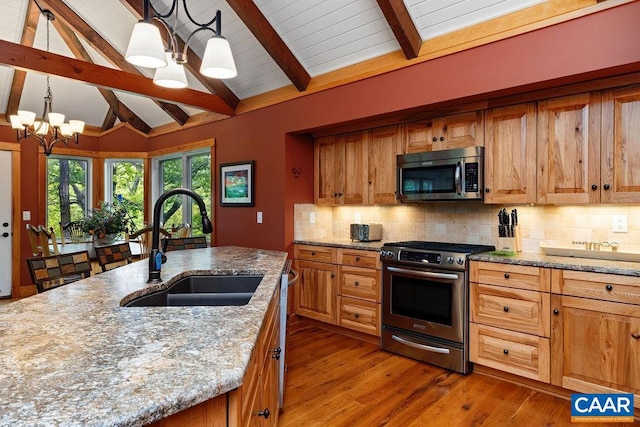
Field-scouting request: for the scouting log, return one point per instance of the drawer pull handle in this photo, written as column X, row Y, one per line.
column 264, row 413
column 357, row 258
column 556, row 311
column 357, row 283
column 506, row 275
column 313, row 253
column 275, row 354
column 333, row 275
column 506, row 308
column 505, row 351
column 635, row 336
column 609, row 288
column 357, row 315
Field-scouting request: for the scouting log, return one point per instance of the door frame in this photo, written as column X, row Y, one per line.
column 15, row 215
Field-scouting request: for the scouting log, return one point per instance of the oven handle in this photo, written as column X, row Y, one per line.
column 458, row 178
column 420, row 346
column 424, row 273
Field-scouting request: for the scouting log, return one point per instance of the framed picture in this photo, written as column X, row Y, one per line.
column 236, row 180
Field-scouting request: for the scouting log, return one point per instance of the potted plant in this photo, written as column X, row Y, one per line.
column 106, row 223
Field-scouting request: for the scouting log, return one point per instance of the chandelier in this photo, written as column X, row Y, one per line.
column 147, row 50
column 51, row 128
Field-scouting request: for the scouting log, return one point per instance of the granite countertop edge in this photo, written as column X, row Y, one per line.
column 74, row 356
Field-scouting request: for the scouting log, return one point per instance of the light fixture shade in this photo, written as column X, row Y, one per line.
column 15, row 121
column 56, row 119
column 41, row 128
column 26, row 117
column 171, row 76
column 65, row 129
column 217, row 61
column 77, row 126
column 145, row 46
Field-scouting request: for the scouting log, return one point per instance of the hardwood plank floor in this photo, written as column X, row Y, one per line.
column 333, row 380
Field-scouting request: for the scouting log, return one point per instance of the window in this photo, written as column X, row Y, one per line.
column 188, row 170
column 67, row 189
column 124, row 186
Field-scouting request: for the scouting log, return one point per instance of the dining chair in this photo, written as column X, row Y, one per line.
column 71, row 231
column 143, row 237
column 48, row 241
column 34, row 240
column 180, row 230
column 171, row 244
column 117, row 253
column 48, row 272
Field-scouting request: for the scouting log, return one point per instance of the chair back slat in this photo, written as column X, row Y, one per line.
column 48, row 241
column 34, row 240
column 111, row 254
column 72, row 232
column 170, row 244
column 180, row 230
column 48, row 272
column 143, row 237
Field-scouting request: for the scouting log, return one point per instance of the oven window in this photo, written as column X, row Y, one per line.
column 421, row 299
column 427, row 180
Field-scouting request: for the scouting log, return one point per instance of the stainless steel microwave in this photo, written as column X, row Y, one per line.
column 456, row 174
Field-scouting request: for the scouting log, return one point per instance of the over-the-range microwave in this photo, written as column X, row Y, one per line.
column 456, row 174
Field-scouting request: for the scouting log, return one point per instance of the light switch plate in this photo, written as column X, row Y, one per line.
column 259, row 217
column 312, row 217
column 26, row 215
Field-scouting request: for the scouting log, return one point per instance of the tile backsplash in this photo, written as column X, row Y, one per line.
column 474, row 222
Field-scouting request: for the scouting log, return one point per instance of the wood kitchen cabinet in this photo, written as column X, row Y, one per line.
column 595, row 332
column 454, row 131
column 315, row 292
column 384, row 144
column 510, row 324
column 510, row 153
column 569, row 149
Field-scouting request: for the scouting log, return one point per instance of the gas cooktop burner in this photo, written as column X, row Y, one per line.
column 462, row 248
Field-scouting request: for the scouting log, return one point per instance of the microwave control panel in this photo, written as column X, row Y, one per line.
column 471, row 177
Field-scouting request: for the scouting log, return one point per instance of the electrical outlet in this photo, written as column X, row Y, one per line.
column 619, row 224
column 259, row 218
column 358, row 218
column 312, row 217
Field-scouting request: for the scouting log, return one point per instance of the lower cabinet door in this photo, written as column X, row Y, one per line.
column 315, row 292
column 521, row 354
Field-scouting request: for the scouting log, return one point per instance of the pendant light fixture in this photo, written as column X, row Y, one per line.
column 51, row 128
column 147, row 50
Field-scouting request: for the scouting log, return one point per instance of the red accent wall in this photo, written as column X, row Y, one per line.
column 603, row 44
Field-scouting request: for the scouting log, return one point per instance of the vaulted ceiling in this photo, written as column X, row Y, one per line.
column 282, row 48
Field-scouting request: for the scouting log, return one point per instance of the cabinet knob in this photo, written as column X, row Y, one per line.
column 434, row 139
column 556, row 311
column 340, row 194
column 594, row 187
column 487, row 190
column 505, row 351
column 264, row 413
column 609, row 288
column 276, row 353
column 313, row 253
column 635, row 336
column 357, row 283
column 333, row 275
column 606, row 186
column 357, row 258
column 357, row 315
column 506, row 275
column 506, row 308
column 335, row 194
column 442, row 138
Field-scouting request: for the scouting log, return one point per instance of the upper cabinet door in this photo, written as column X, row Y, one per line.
column 384, row 145
column 460, row 131
column 510, row 154
column 328, row 158
column 355, row 165
column 569, row 149
column 621, row 145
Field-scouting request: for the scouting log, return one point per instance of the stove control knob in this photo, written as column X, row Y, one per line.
column 460, row 261
column 386, row 254
column 450, row 259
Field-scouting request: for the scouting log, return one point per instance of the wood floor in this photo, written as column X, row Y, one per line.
column 334, row 380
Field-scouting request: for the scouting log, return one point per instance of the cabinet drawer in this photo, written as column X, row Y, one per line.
column 357, row 258
column 360, row 283
column 608, row 287
column 514, row 352
column 359, row 315
column 514, row 309
column 514, row 276
column 316, row 253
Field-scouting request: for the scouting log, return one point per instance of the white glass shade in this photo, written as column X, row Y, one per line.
column 56, row 119
column 77, row 126
column 26, row 117
column 217, row 61
column 171, row 76
column 41, row 128
column 15, row 122
column 65, row 129
column 145, row 46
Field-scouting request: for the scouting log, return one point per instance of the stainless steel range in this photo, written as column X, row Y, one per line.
column 425, row 301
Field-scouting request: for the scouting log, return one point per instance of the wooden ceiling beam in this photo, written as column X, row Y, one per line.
column 402, row 25
column 194, row 61
column 73, row 21
column 116, row 106
column 28, row 35
column 109, row 120
column 253, row 18
column 28, row 58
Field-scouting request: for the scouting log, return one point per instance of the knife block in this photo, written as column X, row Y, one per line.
column 511, row 244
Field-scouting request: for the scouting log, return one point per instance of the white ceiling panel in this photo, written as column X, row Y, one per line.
column 144, row 108
column 437, row 17
column 12, row 15
column 6, row 77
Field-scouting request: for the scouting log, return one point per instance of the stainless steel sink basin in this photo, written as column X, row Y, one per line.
column 202, row 291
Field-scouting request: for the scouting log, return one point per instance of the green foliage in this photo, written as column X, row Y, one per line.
column 66, row 190
column 106, row 219
column 128, row 189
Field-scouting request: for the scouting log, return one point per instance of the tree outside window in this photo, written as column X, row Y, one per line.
column 125, row 188
column 67, row 189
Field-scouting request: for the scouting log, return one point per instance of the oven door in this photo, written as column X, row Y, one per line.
column 426, row 301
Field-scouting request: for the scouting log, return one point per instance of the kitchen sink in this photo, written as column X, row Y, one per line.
column 209, row 290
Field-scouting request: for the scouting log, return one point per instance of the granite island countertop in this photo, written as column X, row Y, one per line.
column 73, row 356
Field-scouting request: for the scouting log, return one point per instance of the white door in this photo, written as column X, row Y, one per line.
column 5, row 224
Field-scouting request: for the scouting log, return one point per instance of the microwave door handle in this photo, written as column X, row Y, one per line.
column 427, row 274
column 458, row 178
column 420, row 346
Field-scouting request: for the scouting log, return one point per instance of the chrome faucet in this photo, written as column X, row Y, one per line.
column 156, row 258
